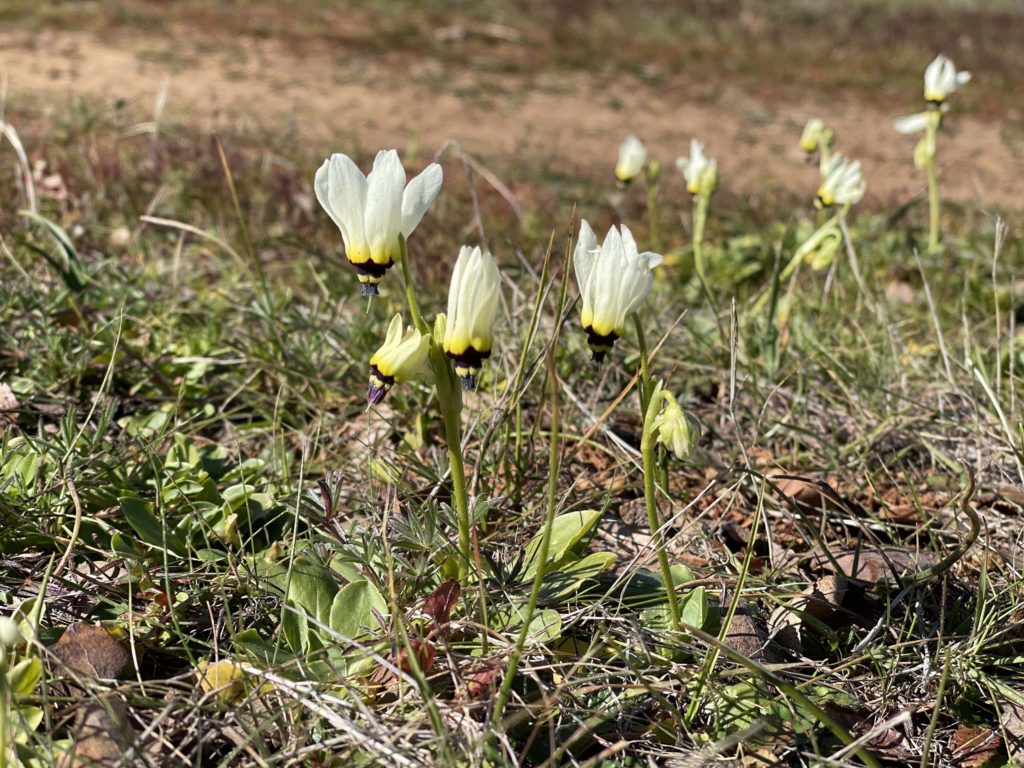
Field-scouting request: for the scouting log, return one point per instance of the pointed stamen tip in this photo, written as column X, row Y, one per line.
column 368, row 289
column 376, row 393
column 597, row 356
column 468, row 381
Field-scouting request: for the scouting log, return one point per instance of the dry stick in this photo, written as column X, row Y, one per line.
column 76, row 528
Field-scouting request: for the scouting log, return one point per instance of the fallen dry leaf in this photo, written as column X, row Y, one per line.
column 977, row 747
column 91, row 651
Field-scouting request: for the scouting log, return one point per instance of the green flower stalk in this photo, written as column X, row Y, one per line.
column 701, row 174
column 665, row 424
column 941, row 78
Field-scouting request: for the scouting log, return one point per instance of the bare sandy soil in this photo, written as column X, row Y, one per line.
column 571, row 119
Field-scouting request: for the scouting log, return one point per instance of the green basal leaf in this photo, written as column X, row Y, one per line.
column 566, row 532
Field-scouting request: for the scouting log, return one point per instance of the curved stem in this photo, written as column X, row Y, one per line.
column 647, row 449
column 410, row 290
column 700, row 218
column 542, row 551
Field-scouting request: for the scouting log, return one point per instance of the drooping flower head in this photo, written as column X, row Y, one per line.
column 373, row 211
column 400, row 358
column 673, row 427
column 700, row 171
column 942, row 79
column 843, row 183
column 472, row 309
column 632, row 156
column 613, row 279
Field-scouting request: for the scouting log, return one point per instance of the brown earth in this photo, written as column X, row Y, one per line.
column 569, row 119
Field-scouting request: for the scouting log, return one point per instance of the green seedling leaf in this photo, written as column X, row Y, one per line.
column 566, row 532
column 150, row 530
column 295, row 629
column 67, row 264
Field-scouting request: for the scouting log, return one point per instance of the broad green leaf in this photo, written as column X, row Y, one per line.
column 352, row 613
column 693, row 609
column 567, row 580
column 23, row 676
column 295, row 629
column 566, row 532
column 312, row 587
column 545, row 627
column 140, row 517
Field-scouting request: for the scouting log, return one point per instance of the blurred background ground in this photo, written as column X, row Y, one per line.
column 552, row 85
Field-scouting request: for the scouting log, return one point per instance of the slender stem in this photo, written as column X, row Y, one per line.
column 645, row 375
column 453, row 435
column 410, row 290
column 647, row 449
column 652, row 215
column 542, row 551
column 933, row 202
column 700, row 218
column 5, row 709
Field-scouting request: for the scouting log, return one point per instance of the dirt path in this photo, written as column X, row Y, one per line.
column 572, row 120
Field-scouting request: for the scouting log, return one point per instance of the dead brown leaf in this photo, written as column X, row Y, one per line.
column 977, row 747
column 91, row 651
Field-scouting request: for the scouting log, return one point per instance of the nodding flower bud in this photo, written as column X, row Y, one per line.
column 700, row 171
column 373, row 211
column 815, row 134
column 942, row 79
column 401, row 357
column 632, row 156
column 614, row 279
column 472, row 309
column 843, row 183
column 674, row 429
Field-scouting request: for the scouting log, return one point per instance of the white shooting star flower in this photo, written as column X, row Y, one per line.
column 613, row 279
column 400, row 358
column 472, row 309
column 373, row 211
column 700, row 171
column 942, row 79
column 843, row 183
column 632, row 156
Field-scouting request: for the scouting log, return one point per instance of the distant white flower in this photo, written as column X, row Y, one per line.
column 843, row 183
column 372, row 211
column 814, row 134
column 632, row 156
column 700, row 171
column 472, row 309
column 942, row 79
column 614, row 279
column 400, row 358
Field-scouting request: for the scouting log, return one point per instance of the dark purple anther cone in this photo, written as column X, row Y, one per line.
column 368, row 289
column 376, row 394
column 597, row 356
column 468, row 382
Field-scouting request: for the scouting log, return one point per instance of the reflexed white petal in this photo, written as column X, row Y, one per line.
column 322, row 186
column 456, row 286
column 419, row 194
column 962, row 79
column 346, row 192
column 583, row 256
column 384, row 188
column 912, row 123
